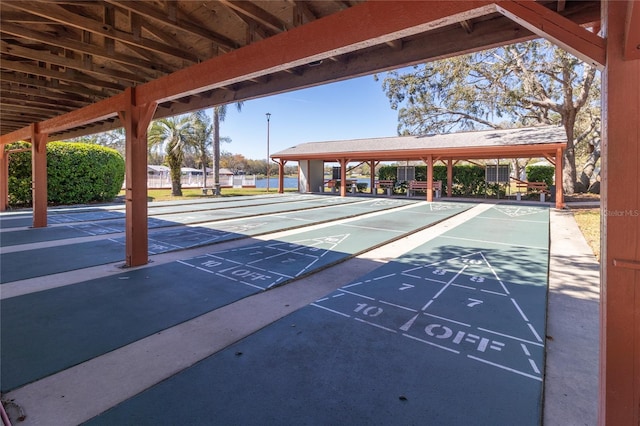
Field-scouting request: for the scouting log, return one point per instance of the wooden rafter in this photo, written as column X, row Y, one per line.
column 548, row 24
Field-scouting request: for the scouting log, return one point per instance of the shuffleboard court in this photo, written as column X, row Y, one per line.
column 85, row 254
column 71, row 324
column 450, row 333
column 96, row 222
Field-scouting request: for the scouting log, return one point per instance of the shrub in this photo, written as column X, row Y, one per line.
column 540, row 174
column 468, row 180
column 76, row 173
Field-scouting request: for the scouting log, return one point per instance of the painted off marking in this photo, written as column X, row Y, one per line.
column 431, row 343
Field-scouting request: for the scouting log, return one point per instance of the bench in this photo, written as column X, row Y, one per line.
column 205, row 190
column 421, row 185
column 386, row 185
column 333, row 184
column 538, row 187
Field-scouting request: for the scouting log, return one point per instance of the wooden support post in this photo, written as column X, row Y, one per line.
column 559, row 188
column 343, row 177
column 4, row 179
column 430, row 178
column 372, row 176
column 449, row 177
column 619, row 401
column 39, row 176
column 281, row 164
column 136, row 119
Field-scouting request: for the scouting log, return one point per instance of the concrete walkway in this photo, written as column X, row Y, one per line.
column 571, row 382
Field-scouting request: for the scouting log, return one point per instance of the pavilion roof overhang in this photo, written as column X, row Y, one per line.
column 486, row 144
column 61, row 60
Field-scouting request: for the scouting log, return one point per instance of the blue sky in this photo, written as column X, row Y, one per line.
column 351, row 109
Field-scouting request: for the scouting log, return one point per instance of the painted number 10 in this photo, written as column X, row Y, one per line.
column 370, row 311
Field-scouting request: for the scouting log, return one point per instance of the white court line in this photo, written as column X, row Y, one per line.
column 505, row 368
column 511, row 337
column 534, row 366
column 524, row 220
column 373, row 228
column 535, row 333
column 356, row 294
column 494, row 273
column 383, row 277
column 376, row 325
column 398, row 306
column 447, row 319
column 330, row 310
column 494, row 242
column 449, row 283
column 519, row 310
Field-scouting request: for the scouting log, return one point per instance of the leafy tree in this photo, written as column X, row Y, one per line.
column 233, row 162
column 173, row 136
column 518, row 85
column 219, row 114
column 114, row 139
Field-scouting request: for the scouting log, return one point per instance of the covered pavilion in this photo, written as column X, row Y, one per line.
column 546, row 141
column 77, row 68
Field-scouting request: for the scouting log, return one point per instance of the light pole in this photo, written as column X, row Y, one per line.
column 268, row 118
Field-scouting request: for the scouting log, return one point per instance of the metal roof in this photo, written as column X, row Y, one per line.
column 524, row 141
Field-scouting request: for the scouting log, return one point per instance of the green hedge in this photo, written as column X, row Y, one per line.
column 77, row 173
column 541, row 174
column 468, row 180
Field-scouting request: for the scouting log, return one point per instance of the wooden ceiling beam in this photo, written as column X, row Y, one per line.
column 42, row 92
column 304, row 10
column 71, row 77
column 366, row 62
column 65, row 17
column 47, row 112
column 8, row 94
column 258, row 14
column 188, row 27
column 63, row 61
column 366, row 24
column 52, row 39
column 565, row 33
column 49, row 85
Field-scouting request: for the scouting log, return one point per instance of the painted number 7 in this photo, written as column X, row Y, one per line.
column 406, row 286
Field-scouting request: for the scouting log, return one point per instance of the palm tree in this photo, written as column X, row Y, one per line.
column 219, row 114
column 174, row 136
column 203, row 132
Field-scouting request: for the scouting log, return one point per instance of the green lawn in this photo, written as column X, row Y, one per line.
column 189, row 193
column 589, row 222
